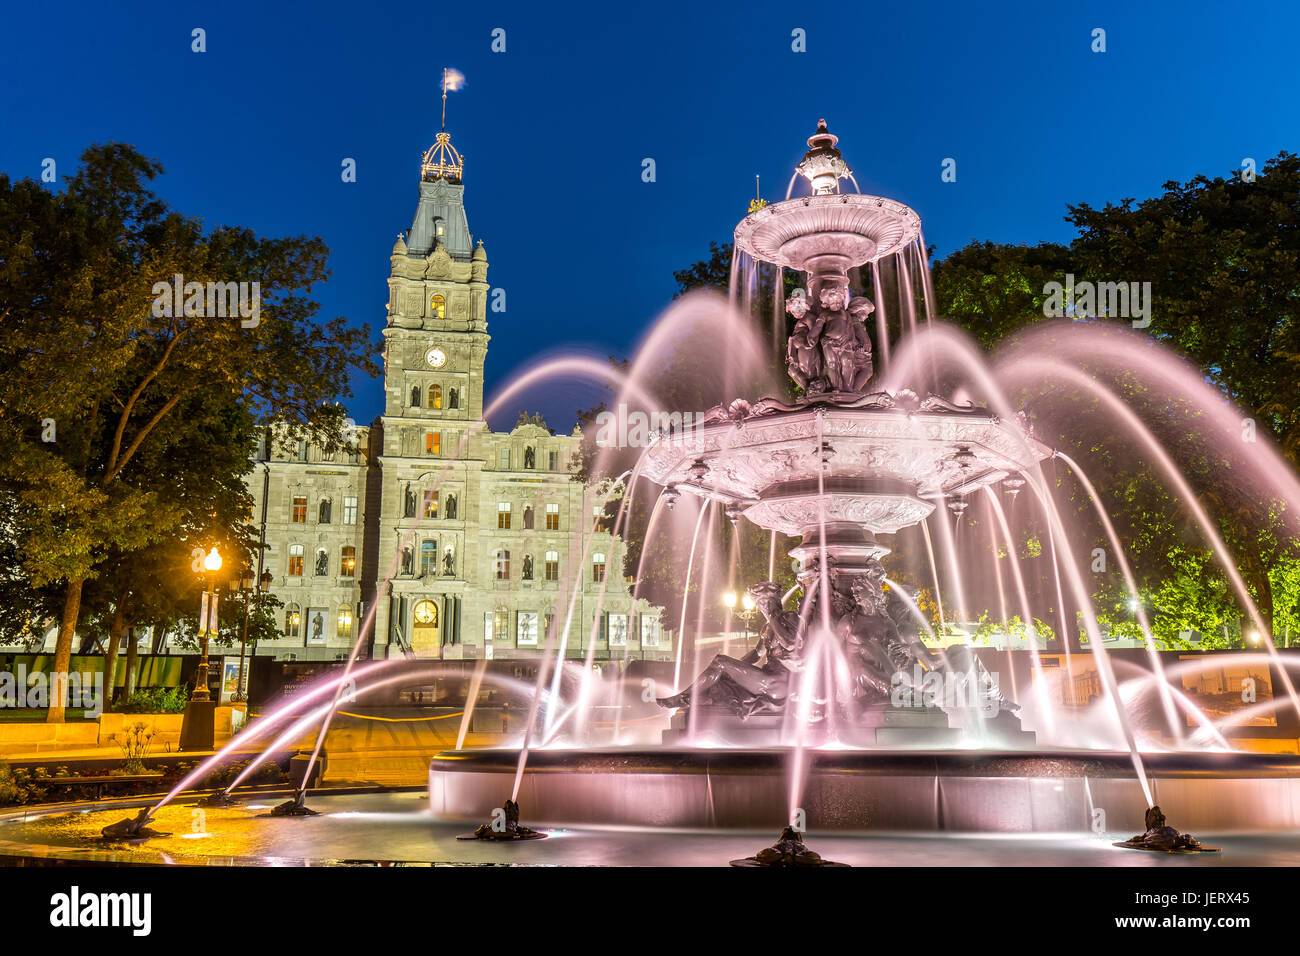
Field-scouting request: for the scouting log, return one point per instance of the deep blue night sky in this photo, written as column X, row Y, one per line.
column 554, row 130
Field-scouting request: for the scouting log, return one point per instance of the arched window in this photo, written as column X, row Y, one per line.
column 428, row 557
column 552, row 565
column 435, row 396
column 438, row 305
column 295, row 560
column 598, row 567
column 348, row 561
column 415, row 396
column 292, row 620
column 503, row 565
column 323, row 513
column 453, row 398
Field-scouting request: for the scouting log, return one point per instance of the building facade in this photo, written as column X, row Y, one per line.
column 437, row 537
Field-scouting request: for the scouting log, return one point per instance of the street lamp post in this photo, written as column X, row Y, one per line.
column 198, row 724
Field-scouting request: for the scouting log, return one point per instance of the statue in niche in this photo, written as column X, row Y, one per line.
column 530, row 457
column 528, row 518
column 322, row 563
column 448, row 563
column 528, row 567
column 451, row 506
column 409, row 509
column 408, row 560
column 453, row 398
column 759, row 682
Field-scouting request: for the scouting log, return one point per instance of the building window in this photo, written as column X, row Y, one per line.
column 326, row 455
column 503, row 459
column 428, row 558
column 649, row 630
column 299, row 509
column 323, row 513
column 487, row 627
column 503, row 515
column 322, row 563
column 292, row 620
column 526, row 629
column 598, row 567
column 618, row 630
column 528, row 518
column 295, row 560
column 302, row 451
column 345, row 622
column 435, row 396
column 552, row 517
column 552, row 565
column 348, row 561
column 453, row 398
column 431, row 505
column 349, row 510
column 501, row 624
column 415, row 396
column 433, row 443
column 502, row 564
column 438, row 305
column 555, row 461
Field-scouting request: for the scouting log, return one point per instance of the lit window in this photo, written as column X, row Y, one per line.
column 435, row 396
column 500, row 622
column 552, row 517
column 345, row 622
column 431, row 506
column 503, row 565
column 526, row 628
column 438, row 305
column 552, row 565
column 348, row 562
column 598, row 567
column 428, row 558
column 295, row 560
column 433, row 443
column 292, row 620
column 503, row 515
column 349, row 510
column 299, row 509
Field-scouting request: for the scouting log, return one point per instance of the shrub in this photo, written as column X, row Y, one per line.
column 155, row 700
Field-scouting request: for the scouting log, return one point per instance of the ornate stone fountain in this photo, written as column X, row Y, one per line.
column 841, row 464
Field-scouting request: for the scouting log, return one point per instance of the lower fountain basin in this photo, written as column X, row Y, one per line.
column 958, row 791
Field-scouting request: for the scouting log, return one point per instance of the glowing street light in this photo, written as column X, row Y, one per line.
column 198, row 731
column 729, row 599
column 213, row 560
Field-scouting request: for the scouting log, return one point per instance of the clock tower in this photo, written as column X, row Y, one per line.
column 436, row 342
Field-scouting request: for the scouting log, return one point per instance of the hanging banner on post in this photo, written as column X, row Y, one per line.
column 203, row 615
column 212, row 611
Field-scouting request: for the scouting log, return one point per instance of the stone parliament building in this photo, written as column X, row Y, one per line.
column 463, row 542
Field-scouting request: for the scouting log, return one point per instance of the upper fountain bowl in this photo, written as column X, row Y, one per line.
column 828, row 234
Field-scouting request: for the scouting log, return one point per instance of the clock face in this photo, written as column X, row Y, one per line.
column 426, row 612
column 436, row 358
